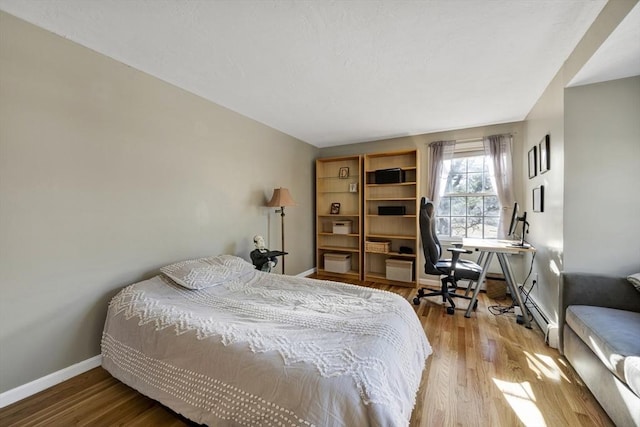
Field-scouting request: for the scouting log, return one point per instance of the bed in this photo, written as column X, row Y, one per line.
column 224, row 344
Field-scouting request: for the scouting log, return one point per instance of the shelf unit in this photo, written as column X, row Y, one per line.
column 332, row 186
column 399, row 230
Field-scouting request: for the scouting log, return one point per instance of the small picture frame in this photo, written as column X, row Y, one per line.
column 343, row 173
column 335, row 208
column 544, row 154
column 538, row 199
column 533, row 162
column 353, row 187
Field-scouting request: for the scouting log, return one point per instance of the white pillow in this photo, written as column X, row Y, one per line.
column 634, row 279
column 205, row 272
column 233, row 262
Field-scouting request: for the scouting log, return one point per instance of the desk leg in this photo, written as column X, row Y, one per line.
column 476, row 291
column 513, row 287
column 480, row 262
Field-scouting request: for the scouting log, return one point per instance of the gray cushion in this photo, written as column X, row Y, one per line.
column 614, row 336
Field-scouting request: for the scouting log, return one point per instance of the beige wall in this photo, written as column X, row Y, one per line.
column 590, row 218
column 549, row 115
column 601, row 203
column 546, row 228
column 106, row 174
column 420, row 143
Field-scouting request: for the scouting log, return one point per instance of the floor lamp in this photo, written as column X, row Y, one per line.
column 281, row 198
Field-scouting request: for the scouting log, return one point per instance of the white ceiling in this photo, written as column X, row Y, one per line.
column 337, row 72
column 618, row 57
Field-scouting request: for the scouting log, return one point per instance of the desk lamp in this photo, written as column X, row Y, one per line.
column 281, row 198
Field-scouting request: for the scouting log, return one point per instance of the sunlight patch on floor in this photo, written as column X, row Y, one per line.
column 544, row 365
column 522, row 400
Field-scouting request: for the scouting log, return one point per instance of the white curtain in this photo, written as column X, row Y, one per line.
column 499, row 150
column 439, row 152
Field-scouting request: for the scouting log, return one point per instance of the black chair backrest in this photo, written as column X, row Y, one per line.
column 430, row 243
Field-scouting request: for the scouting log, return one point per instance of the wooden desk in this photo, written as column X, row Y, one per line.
column 501, row 248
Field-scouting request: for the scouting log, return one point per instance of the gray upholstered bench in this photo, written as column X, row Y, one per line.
column 600, row 323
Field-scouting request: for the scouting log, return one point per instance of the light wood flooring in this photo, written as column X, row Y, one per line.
column 484, row 371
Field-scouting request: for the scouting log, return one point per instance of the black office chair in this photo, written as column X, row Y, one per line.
column 452, row 269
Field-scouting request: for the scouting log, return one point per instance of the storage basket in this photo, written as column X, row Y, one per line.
column 341, row 227
column 496, row 286
column 337, row 262
column 378, row 247
column 400, row 270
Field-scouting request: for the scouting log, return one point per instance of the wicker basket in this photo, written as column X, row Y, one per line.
column 496, row 287
column 378, row 247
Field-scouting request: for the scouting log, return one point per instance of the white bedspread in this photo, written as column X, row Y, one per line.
column 269, row 350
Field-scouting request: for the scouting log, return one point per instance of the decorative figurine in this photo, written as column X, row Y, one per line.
column 263, row 258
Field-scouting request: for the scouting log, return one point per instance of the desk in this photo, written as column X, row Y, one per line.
column 501, row 248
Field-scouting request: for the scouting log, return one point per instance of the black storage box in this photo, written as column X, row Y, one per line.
column 389, row 176
column 392, row 210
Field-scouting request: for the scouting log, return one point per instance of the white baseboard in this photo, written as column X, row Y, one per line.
column 306, row 273
column 547, row 326
column 433, row 283
column 36, row 386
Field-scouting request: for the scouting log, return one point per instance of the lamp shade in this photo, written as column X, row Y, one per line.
column 281, row 197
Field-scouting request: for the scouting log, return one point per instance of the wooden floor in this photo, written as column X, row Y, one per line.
column 484, row 371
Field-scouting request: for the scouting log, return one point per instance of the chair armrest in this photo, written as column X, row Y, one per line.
column 596, row 290
column 455, row 255
column 459, row 251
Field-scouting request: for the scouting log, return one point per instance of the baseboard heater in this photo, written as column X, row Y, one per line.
column 550, row 329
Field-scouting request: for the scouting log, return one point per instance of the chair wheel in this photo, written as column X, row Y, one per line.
column 420, row 293
column 416, row 301
column 451, row 310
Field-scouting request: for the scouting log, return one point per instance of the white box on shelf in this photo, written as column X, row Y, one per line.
column 399, row 269
column 341, row 227
column 337, row 263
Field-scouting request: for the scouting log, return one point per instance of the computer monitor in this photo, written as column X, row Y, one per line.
column 514, row 220
column 513, row 226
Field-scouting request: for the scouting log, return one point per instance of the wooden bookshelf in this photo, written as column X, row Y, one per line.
column 401, row 230
column 339, row 180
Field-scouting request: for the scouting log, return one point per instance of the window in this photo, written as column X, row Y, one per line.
column 469, row 205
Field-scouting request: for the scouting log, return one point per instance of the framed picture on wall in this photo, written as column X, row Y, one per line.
column 335, row 208
column 343, row 173
column 543, row 154
column 533, row 162
column 538, row 199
